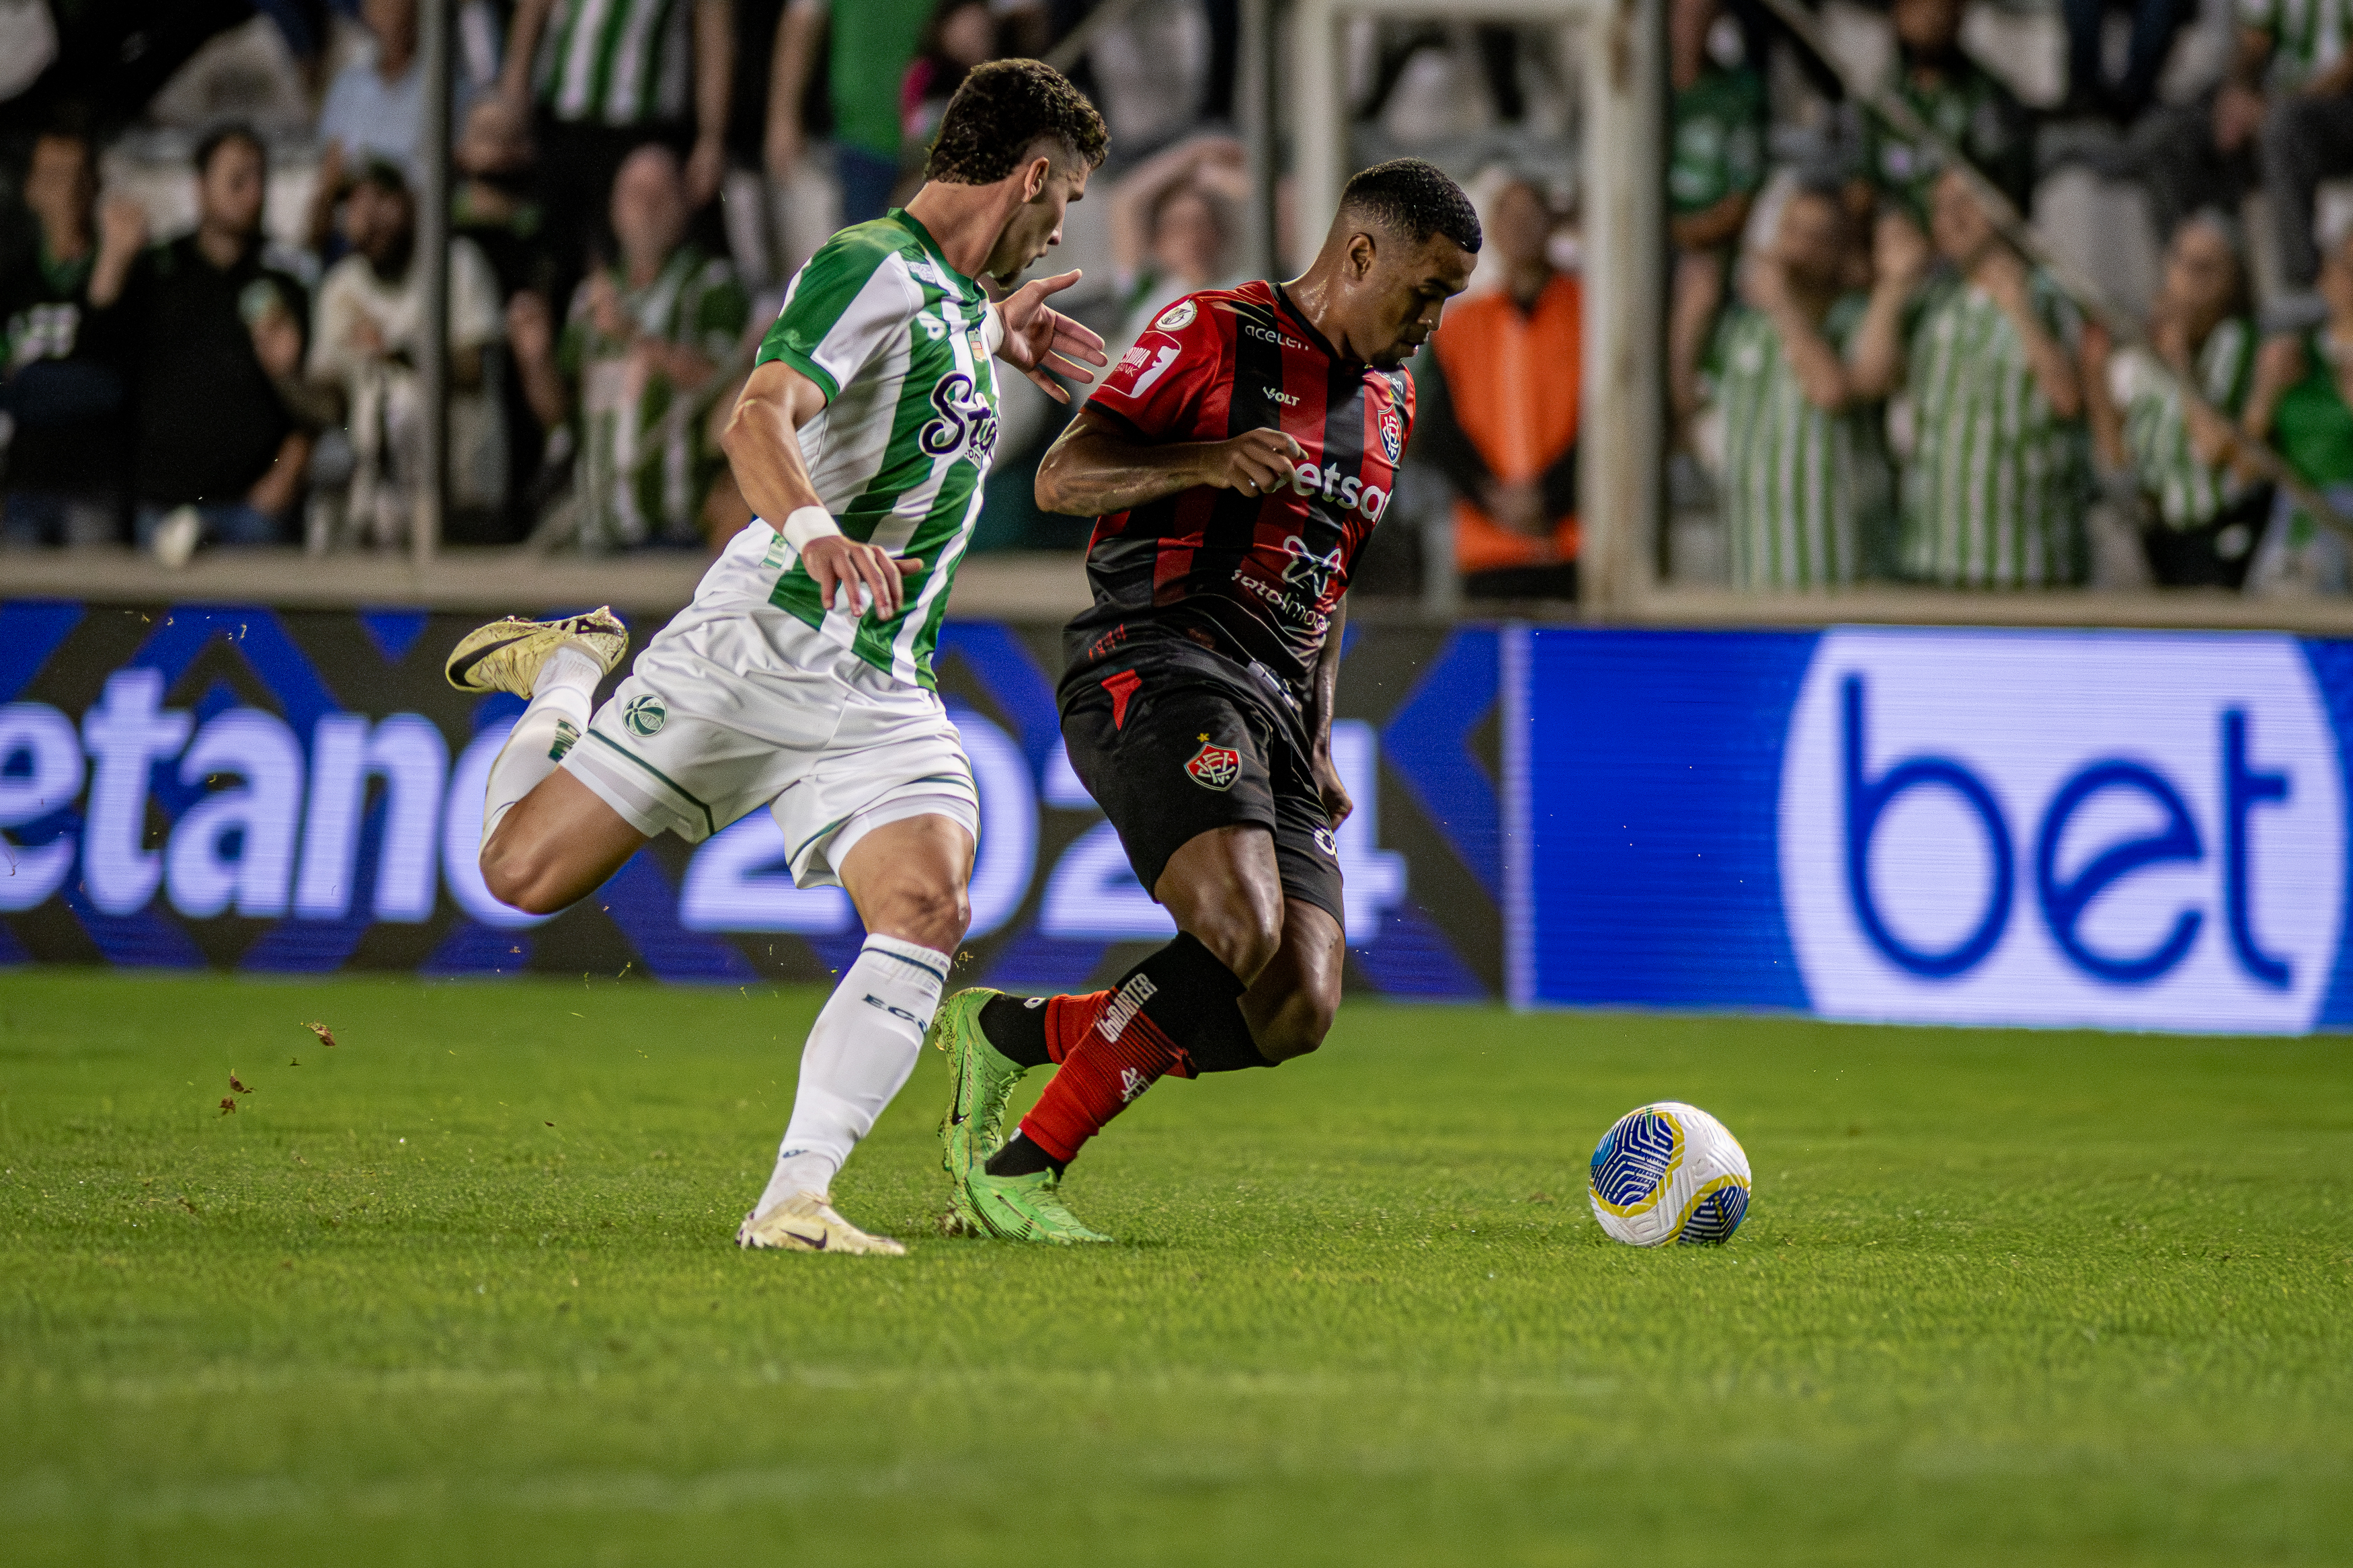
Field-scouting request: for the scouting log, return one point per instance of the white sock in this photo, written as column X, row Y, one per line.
column 862, row 1049
column 561, row 700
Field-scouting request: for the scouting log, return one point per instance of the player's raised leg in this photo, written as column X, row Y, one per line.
column 547, row 840
column 907, row 880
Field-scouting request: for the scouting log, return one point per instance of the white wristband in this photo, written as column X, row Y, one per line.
column 809, row 524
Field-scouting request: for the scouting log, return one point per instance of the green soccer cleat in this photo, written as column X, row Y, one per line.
column 508, row 655
column 1016, row 1208
column 974, row 1126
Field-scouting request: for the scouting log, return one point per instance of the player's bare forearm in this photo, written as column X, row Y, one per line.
column 762, row 440
column 1095, row 467
column 1091, row 471
column 1322, row 698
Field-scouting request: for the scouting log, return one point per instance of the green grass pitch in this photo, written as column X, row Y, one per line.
column 2002, row 1297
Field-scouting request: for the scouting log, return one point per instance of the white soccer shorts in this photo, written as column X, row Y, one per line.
column 737, row 704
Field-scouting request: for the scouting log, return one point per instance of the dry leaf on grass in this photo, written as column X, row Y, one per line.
column 240, row 1088
column 228, row 1105
column 326, row 1035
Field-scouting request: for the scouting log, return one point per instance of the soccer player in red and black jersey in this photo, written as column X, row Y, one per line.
column 1237, row 460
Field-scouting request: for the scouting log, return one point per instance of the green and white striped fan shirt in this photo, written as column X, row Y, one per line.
column 2307, row 35
column 2189, row 493
column 902, row 344
column 646, row 458
column 1996, row 487
column 617, row 62
column 1802, row 485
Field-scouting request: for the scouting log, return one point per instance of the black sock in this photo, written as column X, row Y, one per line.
column 1222, row 1042
column 1020, row 1157
column 1016, row 1025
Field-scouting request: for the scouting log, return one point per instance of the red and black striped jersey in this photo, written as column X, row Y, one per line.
column 1259, row 575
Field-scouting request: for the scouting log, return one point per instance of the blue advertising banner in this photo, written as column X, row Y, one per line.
column 2119, row 830
column 287, row 791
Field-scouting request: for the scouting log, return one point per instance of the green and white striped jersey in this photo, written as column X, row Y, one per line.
column 2189, row 493
column 1802, row 487
column 617, row 62
column 902, row 344
column 1997, row 484
column 647, row 460
column 2307, row 35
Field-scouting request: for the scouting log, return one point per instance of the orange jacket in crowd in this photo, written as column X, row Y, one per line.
column 1504, row 406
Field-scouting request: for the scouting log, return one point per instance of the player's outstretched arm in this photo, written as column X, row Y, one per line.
column 1098, row 466
column 763, row 448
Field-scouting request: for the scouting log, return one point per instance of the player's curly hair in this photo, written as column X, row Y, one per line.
column 1001, row 110
column 1413, row 198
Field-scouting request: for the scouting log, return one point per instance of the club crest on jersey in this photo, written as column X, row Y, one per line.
column 1392, row 435
column 1215, row 767
column 1177, row 316
column 645, row 716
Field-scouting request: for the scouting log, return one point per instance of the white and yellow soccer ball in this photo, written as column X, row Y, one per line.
column 1669, row 1173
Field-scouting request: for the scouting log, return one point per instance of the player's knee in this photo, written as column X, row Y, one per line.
column 517, row 882
column 930, row 914
column 1299, row 1027
column 1243, row 939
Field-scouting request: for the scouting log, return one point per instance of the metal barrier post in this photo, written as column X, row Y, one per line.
column 433, row 255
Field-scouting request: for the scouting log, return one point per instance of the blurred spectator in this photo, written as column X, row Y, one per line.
column 493, row 209
column 2303, row 404
column 1957, row 97
column 2155, row 24
column 374, row 107
column 638, row 364
column 211, row 332
column 65, row 396
column 1498, row 413
column 1715, row 162
column 1994, row 480
column 370, row 321
column 2307, row 133
column 2177, row 456
column 1172, row 228
column 492, row 206
column 960, row 35
column 1803, row 476
column 869, row 47
column 608, row 76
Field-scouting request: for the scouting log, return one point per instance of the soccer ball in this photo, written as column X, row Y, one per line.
column 1669, row 1171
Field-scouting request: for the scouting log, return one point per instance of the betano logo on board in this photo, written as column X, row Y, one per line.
column 2121, row 830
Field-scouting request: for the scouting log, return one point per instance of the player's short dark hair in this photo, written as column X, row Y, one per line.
column 1002, row 110
column 220, row 136
column 1412, row 197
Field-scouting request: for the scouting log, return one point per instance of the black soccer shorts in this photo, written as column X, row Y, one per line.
column 1169, row 765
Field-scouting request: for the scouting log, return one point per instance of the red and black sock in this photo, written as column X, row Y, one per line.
column 1039, row 1030
column 1116, row 1045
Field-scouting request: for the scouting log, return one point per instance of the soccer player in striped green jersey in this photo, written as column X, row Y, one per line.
column 1997, row 479
column 801, row 678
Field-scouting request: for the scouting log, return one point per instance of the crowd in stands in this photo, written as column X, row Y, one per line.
column 633, row 182
column 1867, row 381
column 1879, row 386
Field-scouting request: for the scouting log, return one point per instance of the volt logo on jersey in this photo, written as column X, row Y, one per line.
column 2130, row 830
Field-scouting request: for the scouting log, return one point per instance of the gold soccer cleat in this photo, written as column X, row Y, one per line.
column 508, row 655
column 806, row 1222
